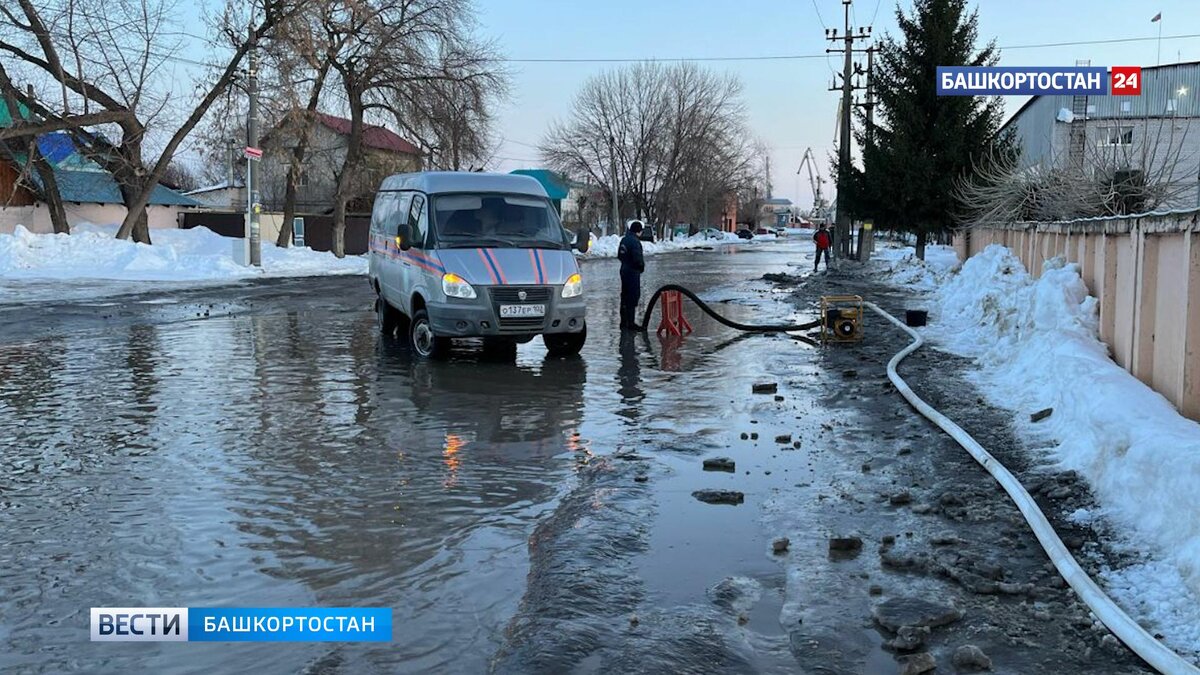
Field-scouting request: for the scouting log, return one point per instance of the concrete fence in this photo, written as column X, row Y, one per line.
column 1145, row 271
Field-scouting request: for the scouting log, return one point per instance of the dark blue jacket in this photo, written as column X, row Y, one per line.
column 630, row 254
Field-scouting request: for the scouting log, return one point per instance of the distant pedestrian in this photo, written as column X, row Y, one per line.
column 824, row 244
column 633, row 263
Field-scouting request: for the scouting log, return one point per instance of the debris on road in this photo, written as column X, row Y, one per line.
column 845, row 544
column 765, row 388
column 919, row 663
column 1041, row 415
column 970, row 658
column 896, row 613
column 780, row 545
column 909, row 638
column 783, row 438
column 719, row 496
column 719, row 464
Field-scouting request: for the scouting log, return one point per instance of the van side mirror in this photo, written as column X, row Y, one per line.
column 583, row 240
column 404, row 237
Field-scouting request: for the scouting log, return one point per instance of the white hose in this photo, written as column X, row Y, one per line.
column 1134, row 636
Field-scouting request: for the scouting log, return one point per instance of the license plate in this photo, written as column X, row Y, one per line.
column 514, row 311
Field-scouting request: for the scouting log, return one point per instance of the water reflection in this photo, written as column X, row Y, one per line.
column 629, row 378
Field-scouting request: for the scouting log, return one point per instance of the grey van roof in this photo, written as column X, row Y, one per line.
column 433, row 182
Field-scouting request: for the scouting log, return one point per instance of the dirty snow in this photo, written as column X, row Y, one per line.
column 1037, row 342
column 900, row 265
column 92, row 252
column 606, row 246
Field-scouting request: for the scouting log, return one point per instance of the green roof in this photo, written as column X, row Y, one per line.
column 6, row 119
column 555, row 185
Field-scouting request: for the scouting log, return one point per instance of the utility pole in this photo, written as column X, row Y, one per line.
column 616, row 210
column 841, row 230
column 252, row 206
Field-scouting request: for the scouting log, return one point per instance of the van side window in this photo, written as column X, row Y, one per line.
column 383, row 203
column 416, row 219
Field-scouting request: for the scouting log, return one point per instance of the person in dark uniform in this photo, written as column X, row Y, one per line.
column 633, row 263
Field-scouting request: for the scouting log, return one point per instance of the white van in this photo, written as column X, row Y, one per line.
column 458, row 254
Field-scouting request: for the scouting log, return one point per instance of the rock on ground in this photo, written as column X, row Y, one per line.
column 894, row 613
column 919, row 663
column 970, row 657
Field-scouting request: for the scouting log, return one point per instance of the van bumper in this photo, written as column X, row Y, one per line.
column 468, row 319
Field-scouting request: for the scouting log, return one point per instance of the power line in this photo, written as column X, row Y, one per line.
column 797, row 57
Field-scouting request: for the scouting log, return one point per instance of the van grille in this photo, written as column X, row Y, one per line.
column 522, row 325
column 509, row 294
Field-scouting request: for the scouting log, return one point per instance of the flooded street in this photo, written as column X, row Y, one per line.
column 260, row 445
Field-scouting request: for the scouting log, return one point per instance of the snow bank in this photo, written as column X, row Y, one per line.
column 1037, row 340
column 901, row 265
column 606, row 246
column 92, row 252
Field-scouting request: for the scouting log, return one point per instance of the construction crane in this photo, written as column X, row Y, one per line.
column 814, row 181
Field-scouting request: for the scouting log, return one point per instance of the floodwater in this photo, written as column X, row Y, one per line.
column 262, row 445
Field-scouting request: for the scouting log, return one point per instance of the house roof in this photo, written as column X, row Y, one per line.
column 99, row 187
column 555, row 186
column 223, row 185
column 380, row 138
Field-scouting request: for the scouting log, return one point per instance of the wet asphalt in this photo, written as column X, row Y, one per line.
column 262, row 445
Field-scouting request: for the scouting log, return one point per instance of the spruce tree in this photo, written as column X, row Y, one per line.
column 921, row 142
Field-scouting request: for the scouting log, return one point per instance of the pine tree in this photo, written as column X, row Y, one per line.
column 921, row 142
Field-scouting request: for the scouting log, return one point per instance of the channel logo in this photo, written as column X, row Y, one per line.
column 241, row 624
column 1038, row 81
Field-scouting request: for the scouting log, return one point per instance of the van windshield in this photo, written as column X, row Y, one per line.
column 484, row 220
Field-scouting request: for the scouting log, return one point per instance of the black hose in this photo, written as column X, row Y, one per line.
column 782, row 328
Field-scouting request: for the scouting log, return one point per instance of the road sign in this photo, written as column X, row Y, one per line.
column 252, row 153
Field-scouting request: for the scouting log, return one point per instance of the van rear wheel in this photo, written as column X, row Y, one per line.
column 422, row 340
column 565, row 344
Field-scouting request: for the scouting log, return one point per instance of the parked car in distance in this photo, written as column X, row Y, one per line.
column 762, row 230
column 711, row 233
column 745, row 234
column 781, row 232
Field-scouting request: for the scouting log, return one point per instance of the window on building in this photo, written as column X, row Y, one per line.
column 1119, row 136
column 1171, row 104
column 1091, row 109
column 302, row 178
column 1126, row 106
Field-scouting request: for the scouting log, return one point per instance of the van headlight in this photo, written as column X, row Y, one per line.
column 455, row 286
column 573, row 287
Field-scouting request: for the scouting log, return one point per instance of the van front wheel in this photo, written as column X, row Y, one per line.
column 423, row 341
column 565, row 344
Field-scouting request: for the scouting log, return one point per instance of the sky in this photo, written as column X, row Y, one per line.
column 788, row 102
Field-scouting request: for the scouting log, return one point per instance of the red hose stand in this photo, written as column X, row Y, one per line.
column 673, row 322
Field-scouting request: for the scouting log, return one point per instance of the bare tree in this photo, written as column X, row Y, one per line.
column 1129, row 166
column 390, row 52
column 110, row 55
column 674, row 135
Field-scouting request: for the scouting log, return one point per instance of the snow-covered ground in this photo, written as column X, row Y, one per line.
column 92, row 252
column 606, row 246
column 1037, row 343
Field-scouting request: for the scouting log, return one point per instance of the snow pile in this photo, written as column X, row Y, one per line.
column 92, row 252
column 606, row 246
column 901, row 265
column 1037, row 339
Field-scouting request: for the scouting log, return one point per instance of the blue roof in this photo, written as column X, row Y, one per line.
column 82, row 180
column 556, row 187
column 100, row 187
